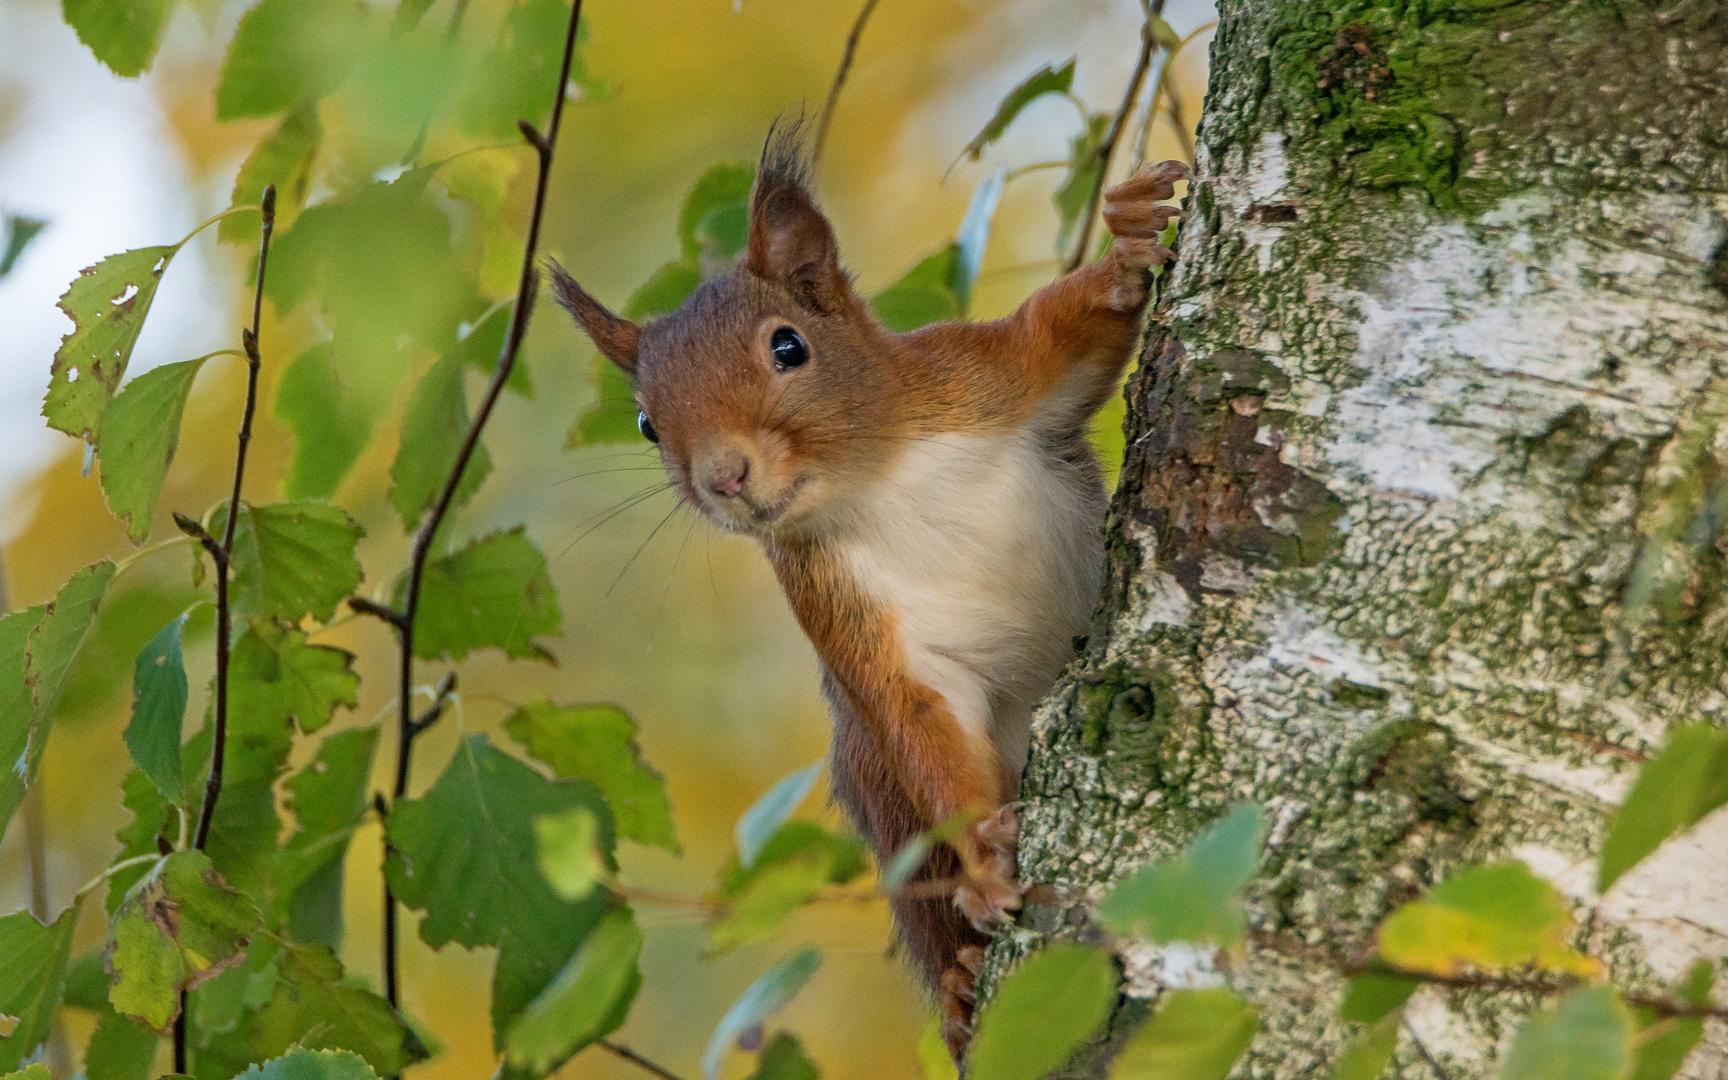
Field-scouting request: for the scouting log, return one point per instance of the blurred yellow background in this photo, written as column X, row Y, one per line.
column 683, row 626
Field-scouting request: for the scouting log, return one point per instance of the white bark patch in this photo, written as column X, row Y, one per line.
column 1677, row 898
column 1149, row 969
column 1439, row 1029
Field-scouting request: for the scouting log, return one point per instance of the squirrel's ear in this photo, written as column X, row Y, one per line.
column 791, row 242
column 617, row 338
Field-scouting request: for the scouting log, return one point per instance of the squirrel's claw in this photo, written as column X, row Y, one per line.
column 990, row 892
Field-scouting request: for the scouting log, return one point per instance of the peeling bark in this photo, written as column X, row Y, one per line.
column 1443, row 351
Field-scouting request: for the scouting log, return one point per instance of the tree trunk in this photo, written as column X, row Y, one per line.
column 1433, row 399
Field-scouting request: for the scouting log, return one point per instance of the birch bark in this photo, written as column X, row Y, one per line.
column 1434, row 395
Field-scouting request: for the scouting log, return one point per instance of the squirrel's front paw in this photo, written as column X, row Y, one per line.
column 1135, row 218
column 990, row 891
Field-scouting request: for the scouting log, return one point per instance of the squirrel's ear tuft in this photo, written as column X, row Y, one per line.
column 791, row 243
column 617, row 338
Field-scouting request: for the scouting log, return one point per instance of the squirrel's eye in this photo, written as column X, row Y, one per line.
column 646, row 428
column 788, row 348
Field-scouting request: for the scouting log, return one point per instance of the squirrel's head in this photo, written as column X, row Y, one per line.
column 768, row 391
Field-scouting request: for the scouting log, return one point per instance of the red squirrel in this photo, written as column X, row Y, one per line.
column 928, row 501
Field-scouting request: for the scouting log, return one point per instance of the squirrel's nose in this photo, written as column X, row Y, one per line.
column 728, row 474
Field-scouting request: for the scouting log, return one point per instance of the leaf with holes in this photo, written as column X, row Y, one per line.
column 159, row 694
column 1041, row 1011
column 286, row 52
column 492, row 593
column 587, row 1001
column 597, row 743
column 434, row 425
column 285, row 158
column 764, row 997
column 291, row 559
column 1194, row 1035
column 1675, row 789
column 107, row 303
column 1192, row 896
column 123, row 34
column 1588, row 1036
column 1046, row 80
column 34, row 958
column 136, row 442
column 1497, row 916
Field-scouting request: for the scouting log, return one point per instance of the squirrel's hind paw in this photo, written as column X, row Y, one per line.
column 959, row 996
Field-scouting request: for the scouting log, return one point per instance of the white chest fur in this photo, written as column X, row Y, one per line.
column 987, row 551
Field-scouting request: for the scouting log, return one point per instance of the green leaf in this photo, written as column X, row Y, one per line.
column 792, row 869
column 16, row 714
column 612, row 416
column 465, row 853
column 1193, row 896
column 137, row 439
column 1588, row 1037
column 123, row 34
column 515, row 80
column 34, row 958
column 1497, row 916
column 179, row 926
column 286, row 52
column 278, row 679
column 763, row 820
column 1367, row 1057
column 1041, row 1012
column 724, row 186
column 767, row 995
column 20, row 230
column 1166, row 36
column 33, row 1071
column 314, row 1007
column 597, row 743
column 934, row 1061
column 433, row 428
column 492, row 593
column 484, row 343
column 285, row 158
column 1046, row 80
column 924, row 295
column 663, row 293
column 150, row 812
column 120, row 1048
column 302, row 1064
column 292, row 559
column 1075, row 192
column 588, row 1000
column 1369, row 998
column 1675, row 789
column 1663, row 1043
column 783, row 1059
column 107, row 303
column 1194, row 1035
column 328, row 799
column 567, row 858
column 331, row 410
column 159, row 695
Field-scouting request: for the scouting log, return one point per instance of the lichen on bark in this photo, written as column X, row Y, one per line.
column 1436, row 382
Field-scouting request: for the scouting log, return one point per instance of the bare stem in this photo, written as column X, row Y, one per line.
column 222, row 555
column 840, row 80
column 407, row 725
column 637, row 1059
column 1107, row 149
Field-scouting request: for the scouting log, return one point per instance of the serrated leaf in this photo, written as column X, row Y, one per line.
column 492, row 593
column 597, row 743
column 1497, row 916
column 1046, row 80
column 286, row 52
column 1194, row 1035
column 179, row 926
column 465, row 853
column 764, row 818
column 514, row 80
column 301, row 1064
column 136, row 443
column 331, row 409
column 278, row 679
column 587, row 1001
column 314, row 1007
column 1587, row 1037
column 1674, row 790
column 1075, row 192
column 1193, row 896
column 1367, row 1057
column 1369, row 998
column 1041, row 1012
column 783, row 1059
column 123, row 34
column 20, row 231
column 433, row 428
column 34, row 958
column 328, row 799
column 725, row 185
column 159, row 693
column 291, row 559
column 567, row 856
column 150, row 813
column 107, row 303
column 925, row 294
column 764, row 997
column 286, row 158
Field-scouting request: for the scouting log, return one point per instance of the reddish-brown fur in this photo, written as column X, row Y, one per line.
column 790, row 456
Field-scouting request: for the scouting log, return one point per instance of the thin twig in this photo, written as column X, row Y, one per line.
column 222, row 555
column 423, row 536
column 440, row 699
column 378, row 611
column 840, row 80
column 637, row 1059
column 1107, row 149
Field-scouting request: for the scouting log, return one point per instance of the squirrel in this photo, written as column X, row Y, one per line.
column 929, row 504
